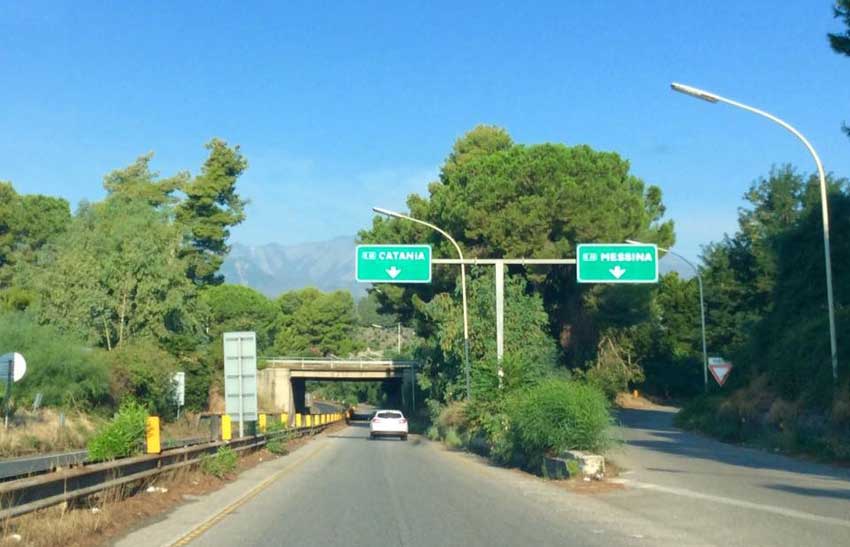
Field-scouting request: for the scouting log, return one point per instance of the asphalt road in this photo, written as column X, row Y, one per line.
column 357, row 492
column 726, row 494
column 677, row 489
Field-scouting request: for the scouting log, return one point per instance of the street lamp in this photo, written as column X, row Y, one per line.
column 714, row 98
column 701, row 309
column 377, row 326
column 387, row 212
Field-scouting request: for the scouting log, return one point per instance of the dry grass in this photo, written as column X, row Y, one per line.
column 187, row 426
column 42, row 431
column 102, row 518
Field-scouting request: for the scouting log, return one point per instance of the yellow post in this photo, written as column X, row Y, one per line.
column 309, row 420
column 261, row 423
column 284, row 419
column 226, row 432
column 321, row 419
column 297, row 419
column 152, row 435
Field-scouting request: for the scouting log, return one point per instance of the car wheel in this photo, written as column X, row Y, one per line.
column 404, row 437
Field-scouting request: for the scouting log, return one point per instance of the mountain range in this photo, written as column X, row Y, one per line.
column 327, row 265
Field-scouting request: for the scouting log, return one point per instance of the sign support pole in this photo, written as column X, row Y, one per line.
column 500, row 316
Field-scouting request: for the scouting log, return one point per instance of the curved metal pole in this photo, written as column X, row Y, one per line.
column 714, row 98
column 395, row 214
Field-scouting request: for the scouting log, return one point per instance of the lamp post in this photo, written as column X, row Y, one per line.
column 701, row 309
column 714, row 98
column 394, row 214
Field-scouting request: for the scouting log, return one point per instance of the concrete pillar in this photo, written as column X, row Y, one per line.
column 274, row 389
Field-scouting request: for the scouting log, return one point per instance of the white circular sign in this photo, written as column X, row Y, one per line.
column 18, row 364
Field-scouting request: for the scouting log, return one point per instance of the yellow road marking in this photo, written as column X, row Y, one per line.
column 218, row 517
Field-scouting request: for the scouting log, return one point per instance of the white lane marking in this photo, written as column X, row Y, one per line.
column 735, row 502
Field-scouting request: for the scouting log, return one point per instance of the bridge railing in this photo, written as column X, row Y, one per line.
column 307, row 363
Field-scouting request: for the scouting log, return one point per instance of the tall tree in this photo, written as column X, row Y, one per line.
column 115, row 275
column 502, row 199
column 210, row 209
column 138, row 182
column 840, row 42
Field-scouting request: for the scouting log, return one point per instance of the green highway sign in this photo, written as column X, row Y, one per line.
column 393, row 264
column 616, row 263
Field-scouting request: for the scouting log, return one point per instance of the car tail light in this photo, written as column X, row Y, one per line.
column 403, row 421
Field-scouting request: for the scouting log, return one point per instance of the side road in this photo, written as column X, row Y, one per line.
column 727, row 493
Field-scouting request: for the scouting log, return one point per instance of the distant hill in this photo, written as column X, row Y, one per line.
column 326, row 265
column 275, row 268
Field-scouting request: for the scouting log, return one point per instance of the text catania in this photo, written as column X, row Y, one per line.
column 394, row 255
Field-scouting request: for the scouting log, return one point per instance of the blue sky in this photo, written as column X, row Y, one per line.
column 341, row 106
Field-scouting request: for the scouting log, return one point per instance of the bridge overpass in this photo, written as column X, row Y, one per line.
column 281, row 385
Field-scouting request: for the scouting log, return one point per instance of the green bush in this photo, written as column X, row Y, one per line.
column 278, row 435
column 123, row 436
column 66, row 373
column 142, row 371
column 452, row 439
column 559, row 415
column 220, row 464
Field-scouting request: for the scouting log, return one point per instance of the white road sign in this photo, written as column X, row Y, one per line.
column 15, row 362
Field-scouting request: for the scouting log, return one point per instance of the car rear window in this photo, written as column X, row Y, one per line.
column 393, row 415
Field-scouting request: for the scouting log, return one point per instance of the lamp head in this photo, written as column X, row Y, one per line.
column 695, row 92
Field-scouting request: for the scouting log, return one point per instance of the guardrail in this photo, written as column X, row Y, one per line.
column 24, row 495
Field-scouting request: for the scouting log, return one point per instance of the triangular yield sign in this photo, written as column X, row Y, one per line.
column 720, row 371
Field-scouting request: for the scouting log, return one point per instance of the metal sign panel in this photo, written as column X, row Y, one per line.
column 616, row 263
column 393, row 264
column 240, row 376
column 15, row 362
column 180, row 388
column 720, row 369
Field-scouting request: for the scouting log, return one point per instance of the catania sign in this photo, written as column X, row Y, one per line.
column 393, row 264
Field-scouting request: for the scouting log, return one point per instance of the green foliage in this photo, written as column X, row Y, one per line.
column 558, row 415
column 530, row 351
column 59, row 366
column 237, row 308
column 452, row 439
column 277, row 436
column 123, row 436
column 210, row 209
column 614, row 368
column 115, row 275
column 312, row 323
column 27, row 223
column 369, row 312
column 840, row 42
column 496, row 198
column 141, row 371
column 220, row 464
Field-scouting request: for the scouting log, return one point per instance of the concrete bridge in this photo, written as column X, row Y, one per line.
column 281, row 385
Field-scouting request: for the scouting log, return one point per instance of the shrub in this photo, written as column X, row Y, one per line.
column 558, row 415
column 58, row 365
column 220, row 464
column 277, row 436
column 142, row 371
column 452, row 439
column 123, row 436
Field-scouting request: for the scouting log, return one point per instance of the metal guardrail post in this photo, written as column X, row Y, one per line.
column 152, row 438
column 226, row 431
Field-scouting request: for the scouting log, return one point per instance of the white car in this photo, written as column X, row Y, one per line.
column 390, row 423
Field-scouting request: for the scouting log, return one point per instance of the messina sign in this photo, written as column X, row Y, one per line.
column 393, row 264
column 616, row 263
